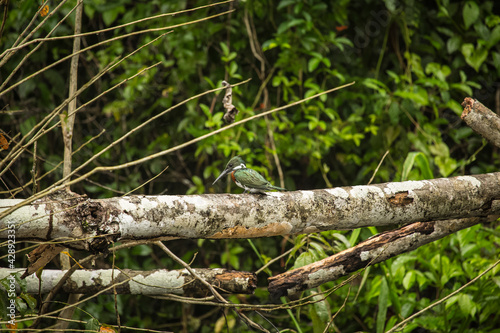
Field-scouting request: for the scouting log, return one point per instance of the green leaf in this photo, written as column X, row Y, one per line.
column 446, row 165
column 462, row 87
column 285, row 3
column 111, row 14
column 343, row 239
column 494, row 37
column 313, row 64
column 354, row 236
column 89, row 11
column 289, row 24
column 409, row 280
column 451, row 301
column 327, row 62
column 225, row 49
column 424, row 166
column 376, row 85
column 234, row 261
column 141, row 250
column 466, row 305
column 269, row 44
column 440, row 149
column 229, row 57
column 321, row 310
column 474, row 57
column 93, row 325
column 419, row 97
column 303, row 259
column 422, row 162
column 30, row 300
column 383, row 301
column 455, row 106
column 25, row 89
column 317, row 324
column 492, row 20
column 319, row 250
column 470, row 13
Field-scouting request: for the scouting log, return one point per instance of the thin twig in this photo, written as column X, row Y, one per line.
column 93, row 33
column 3, row 92
column 33, row 170
column 149, row 180
column 273, row 260
column 378, row 166
column 338, row 311
column 48, row 118
column 33, row 19
column 55, row 166
column 208, row 285
column 25, row 58
column 17, row 150
column 404, row 322
column 4, row 18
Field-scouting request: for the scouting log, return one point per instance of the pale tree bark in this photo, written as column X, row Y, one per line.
column 93, row 224
column 154, row 282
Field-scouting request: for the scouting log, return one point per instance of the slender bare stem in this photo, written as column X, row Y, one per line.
column 3, row 92
column 68, row 125
column 38, row 40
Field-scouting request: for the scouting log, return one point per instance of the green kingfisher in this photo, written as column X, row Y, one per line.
column 248, row 179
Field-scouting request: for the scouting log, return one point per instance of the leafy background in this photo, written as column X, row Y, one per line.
column 413, row 63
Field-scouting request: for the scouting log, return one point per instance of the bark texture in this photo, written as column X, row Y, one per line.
column 155, row 282
column 482, row 120
column 93, row 224
column 374, row 250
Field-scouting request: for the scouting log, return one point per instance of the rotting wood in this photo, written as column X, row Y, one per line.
column 374, row 250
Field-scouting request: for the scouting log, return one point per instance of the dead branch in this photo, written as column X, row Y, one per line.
column 155, row 282
column 227, row 101
column 374, row 250
column 482, row 120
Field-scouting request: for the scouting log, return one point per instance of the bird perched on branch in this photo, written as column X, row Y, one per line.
column 248, row 179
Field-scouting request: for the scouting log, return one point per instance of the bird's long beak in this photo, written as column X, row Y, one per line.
column 223, row 173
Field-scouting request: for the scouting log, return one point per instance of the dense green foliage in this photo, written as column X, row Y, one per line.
column 413, row 63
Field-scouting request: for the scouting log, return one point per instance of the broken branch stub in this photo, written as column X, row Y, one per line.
column 227, row 101
column 482, row 120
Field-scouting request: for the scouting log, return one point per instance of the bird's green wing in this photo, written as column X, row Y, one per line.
column 252, row 178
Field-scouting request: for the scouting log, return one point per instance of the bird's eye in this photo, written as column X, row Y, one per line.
column 230, row 165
